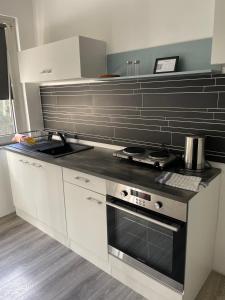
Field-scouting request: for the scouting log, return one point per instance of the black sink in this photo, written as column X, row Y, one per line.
column 53, row 148
column 61, row 150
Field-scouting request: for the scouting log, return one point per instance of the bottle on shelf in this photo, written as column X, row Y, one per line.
column 137, row 67
column 129, row 68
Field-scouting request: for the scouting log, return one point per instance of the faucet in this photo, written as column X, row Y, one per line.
column 60, row 134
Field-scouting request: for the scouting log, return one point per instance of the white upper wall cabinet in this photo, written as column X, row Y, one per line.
column 218, row 46
column 69, row 59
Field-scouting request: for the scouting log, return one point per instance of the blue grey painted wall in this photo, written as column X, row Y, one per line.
column 194, row 55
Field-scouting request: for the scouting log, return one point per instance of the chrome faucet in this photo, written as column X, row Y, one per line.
column 60, row 134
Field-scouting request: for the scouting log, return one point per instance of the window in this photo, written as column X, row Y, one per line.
column 7, row 123
column 7, row 120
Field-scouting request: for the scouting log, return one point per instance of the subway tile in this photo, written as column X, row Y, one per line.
column 57, row 116
column 178, row 139
column 77, row 110
column 216, row 158
column 192, row 100
column 177, row 113
column 195, row 89
column 216, row 88
column 136, row 126
column 143, row 135
column 139, row 121
column 219, row 116
column 221, row 80
column 221, row 103
column 74, row 100
column 115, row 86
column 71, row 87
column 93, row 138
column 51, row 100
column 125, row 143
column 89, row 118
column 216, row 144
column 215, row 126
column 116, row 112
column 191, row 131
column 104, row 131
column 65, row 126
column 171, row 76
column 113, row 92
column 178, row 83
column 117, row 100
column 218, row 75
column 71, row 93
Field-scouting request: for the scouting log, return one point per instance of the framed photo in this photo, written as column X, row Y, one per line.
column 166, row 64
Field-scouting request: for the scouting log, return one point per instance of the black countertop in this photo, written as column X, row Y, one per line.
column 100, row 162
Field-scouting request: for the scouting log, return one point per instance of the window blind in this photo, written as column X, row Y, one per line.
column 4, row 79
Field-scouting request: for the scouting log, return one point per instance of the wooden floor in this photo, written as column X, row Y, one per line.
column 35, row 267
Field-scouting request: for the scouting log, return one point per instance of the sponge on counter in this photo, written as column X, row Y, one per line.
column 21, row 138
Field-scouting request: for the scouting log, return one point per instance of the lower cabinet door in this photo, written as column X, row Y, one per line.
column 86, row 220
column 38, row 190
column 50, row 200
column 22, row 183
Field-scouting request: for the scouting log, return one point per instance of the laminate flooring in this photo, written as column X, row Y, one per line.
column 34, row 266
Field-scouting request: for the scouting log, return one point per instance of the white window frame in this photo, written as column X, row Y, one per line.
column 19, row 102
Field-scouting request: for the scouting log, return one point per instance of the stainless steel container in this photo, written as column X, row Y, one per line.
column 194, row 156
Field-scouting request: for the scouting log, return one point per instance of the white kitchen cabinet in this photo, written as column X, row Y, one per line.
column 68, row 59
column 218, row 45
column 38, row 190
column 21, row 177
column 84, row 180
column 86, row 223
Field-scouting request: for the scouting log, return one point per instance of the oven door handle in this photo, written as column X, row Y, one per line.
column 174, row 227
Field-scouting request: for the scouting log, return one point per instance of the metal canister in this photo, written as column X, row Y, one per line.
column 194, row 156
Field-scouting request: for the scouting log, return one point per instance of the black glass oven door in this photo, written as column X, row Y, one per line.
column 156, row 241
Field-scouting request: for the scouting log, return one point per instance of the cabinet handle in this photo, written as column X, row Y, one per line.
column 93, row 199
column 36, row 165
column 82, row 179
column 23, row 161
column 46, row 71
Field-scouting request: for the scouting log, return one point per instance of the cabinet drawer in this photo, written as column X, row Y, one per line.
column 85, row 180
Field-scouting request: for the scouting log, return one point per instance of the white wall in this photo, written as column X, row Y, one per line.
column 126, row 24
column 29, row 100
column 23, row 11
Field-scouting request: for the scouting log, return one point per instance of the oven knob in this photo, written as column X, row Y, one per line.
column 158, row 205
column 124, row 193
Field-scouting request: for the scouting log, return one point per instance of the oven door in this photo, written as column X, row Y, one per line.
column 152, row 243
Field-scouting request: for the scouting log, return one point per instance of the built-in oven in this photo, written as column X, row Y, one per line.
column 148, row 232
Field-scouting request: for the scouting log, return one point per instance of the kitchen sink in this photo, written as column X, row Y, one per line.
column 52, row 148
column 65, row 149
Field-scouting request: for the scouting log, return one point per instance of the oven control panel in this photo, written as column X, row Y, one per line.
column 163, row 205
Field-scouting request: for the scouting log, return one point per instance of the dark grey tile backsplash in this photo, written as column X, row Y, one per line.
column 147, row 112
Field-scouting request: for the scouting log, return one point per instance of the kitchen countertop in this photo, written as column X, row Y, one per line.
column 100, row 162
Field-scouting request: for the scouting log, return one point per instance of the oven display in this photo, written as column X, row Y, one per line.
column 140, row 195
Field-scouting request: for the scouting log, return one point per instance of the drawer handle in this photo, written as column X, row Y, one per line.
column 82, row 179
column 93, row 199
column 23, row 161
column 36, row 165
column 46, row 71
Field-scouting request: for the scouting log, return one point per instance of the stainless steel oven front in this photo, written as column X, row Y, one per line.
column 148, row 232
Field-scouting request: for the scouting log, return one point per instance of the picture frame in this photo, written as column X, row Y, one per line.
column 166, row 65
